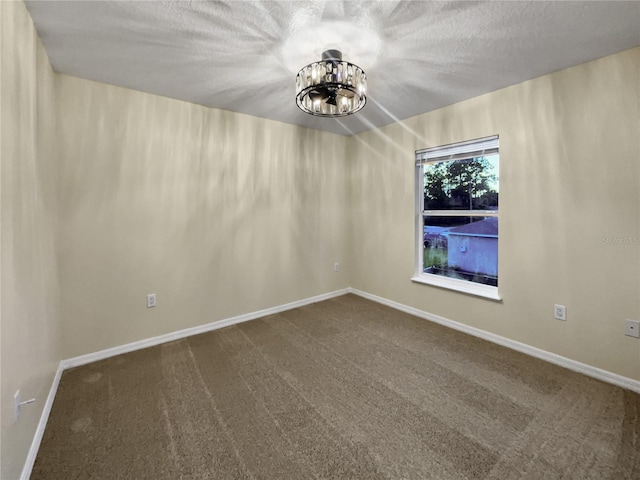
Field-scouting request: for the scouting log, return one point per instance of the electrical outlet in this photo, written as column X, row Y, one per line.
column 151, row 300
column 560, row 312
column 632, row 328
column 336, row 267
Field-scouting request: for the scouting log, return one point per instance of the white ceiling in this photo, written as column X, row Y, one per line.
column 243, row 55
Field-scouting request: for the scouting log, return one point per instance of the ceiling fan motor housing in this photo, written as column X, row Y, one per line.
column 332, row 55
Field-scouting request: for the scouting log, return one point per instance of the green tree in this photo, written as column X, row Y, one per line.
column 435, row 186
column 460, row 184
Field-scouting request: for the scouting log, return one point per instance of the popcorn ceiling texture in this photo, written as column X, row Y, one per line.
column 238, row 55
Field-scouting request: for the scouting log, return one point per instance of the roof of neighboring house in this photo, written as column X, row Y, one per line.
column 486, row 228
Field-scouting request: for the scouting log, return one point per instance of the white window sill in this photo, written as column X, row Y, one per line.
column 470, row 288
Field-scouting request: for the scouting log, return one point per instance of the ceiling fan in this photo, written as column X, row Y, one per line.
column 331, row 87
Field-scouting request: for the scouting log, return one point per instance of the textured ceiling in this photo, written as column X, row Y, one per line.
column 242, row 55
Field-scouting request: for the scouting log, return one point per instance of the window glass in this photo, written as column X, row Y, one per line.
column 464, row 248
column 469, row 184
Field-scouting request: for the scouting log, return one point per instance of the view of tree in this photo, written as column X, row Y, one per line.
column 468, row 184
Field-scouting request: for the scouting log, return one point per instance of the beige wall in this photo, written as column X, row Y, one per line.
column 30, row 308
column 570, row 177
column 217, row 213
column 109, row 194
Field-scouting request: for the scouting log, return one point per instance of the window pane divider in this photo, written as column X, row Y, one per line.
column 460, row 213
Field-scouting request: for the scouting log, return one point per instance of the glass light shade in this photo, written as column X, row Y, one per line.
column 331, row 87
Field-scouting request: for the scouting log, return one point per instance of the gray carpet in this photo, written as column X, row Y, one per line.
column 343, row 389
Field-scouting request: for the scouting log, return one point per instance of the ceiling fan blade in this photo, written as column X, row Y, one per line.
column 346, row 93
column 319, row 94
column 326, row 95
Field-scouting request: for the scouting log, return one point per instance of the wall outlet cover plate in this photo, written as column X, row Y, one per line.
column 632, row 328
column 560, row 312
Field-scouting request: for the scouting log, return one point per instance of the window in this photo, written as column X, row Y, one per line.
column 457, row 216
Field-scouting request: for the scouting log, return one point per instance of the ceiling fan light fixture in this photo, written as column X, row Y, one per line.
column 331, row 87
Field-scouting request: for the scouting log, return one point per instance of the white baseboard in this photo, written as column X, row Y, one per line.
column 590, row 371
column 149, row 342
column 579, row 367
column 187, row 332
column 42, row 423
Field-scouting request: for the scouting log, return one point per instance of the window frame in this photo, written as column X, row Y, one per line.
column 455, row 151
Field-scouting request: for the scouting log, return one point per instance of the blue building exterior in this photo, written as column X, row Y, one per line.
column 474, row 247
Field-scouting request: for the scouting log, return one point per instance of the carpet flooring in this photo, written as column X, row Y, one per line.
column 341, row 389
